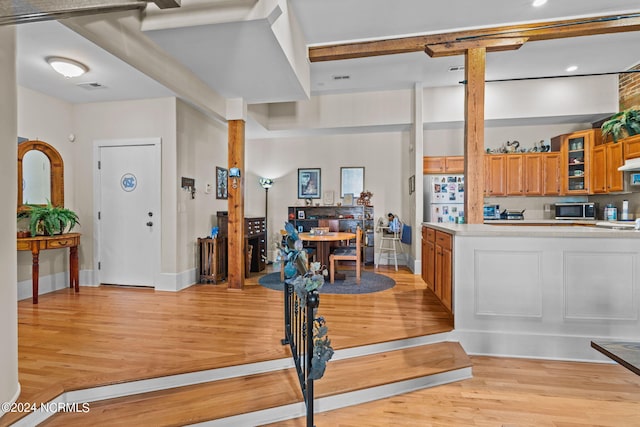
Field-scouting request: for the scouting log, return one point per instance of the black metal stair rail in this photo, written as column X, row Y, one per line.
column 298, row 329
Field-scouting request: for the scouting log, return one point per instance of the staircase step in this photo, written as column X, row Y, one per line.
column 273, row 396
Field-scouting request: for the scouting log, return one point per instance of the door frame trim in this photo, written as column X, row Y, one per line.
column 156, row 142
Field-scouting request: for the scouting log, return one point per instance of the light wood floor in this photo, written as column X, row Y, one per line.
column 108, row 334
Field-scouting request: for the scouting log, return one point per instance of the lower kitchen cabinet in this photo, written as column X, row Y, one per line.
column 437, row 264
column 429, row 257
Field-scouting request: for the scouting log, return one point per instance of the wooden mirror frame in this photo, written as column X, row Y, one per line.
column 57, row 171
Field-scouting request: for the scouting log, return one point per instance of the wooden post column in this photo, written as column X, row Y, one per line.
column 474, row 68
column 235, row 244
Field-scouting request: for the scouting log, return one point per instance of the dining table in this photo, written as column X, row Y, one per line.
column 323, row 244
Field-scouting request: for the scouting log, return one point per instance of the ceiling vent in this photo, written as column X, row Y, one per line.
column 456, row 68
column 91, row 86
column 343, row 77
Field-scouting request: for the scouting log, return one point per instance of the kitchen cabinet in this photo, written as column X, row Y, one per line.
column 437, row 264
column 576, row 150
column 605, row 161
column 429, row 257
column 444, row 268
column 526, row 174
column 442, row 164
column 598, row 166
column 551, row 174
column 631, row 147
column 494, row 170
column 514, row 177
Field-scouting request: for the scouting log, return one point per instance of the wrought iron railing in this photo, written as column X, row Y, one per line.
column 299, row 317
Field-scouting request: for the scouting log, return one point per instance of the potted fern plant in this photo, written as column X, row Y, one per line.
column 622, row 124
column 49, row 220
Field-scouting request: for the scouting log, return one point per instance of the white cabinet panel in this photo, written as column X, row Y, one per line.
column 599, row 286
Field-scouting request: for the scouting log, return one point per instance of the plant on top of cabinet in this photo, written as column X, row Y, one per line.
column 622, row 124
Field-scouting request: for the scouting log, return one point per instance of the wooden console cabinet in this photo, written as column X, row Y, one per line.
column 255, row 235
column 59, row 241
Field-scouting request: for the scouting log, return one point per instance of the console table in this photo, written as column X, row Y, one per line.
column 40, row 243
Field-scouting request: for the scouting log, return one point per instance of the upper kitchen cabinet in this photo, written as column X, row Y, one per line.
column 443, row 164
column 632, row 147
column 576, row 154
column 552, row 174
column 527, row 174
column 605, row 161
column 494, row 171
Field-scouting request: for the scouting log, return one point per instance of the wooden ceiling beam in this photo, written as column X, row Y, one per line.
column 547, row 30
column 461, row 47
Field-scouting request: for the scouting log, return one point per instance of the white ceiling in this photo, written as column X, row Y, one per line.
column 233, row 48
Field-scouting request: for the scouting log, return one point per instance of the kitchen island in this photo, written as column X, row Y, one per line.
column 541, row 291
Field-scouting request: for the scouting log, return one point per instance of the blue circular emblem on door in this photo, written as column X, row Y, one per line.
column 128, row 182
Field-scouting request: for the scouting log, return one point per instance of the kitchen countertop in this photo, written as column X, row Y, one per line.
column 541, row 221
column 507, row 230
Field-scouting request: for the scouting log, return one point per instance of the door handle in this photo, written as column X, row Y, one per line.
column 149, row 224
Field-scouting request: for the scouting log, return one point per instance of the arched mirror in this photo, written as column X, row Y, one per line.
column 40, row 174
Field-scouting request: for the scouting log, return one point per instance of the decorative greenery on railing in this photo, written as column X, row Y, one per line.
column 306, row 280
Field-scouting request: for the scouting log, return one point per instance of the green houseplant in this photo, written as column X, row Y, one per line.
column 49, row 219
column 622, row 124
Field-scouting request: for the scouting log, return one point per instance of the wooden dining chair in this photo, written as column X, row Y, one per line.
column 347, row 253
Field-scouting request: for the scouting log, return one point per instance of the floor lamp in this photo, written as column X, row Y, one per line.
column 266, row 183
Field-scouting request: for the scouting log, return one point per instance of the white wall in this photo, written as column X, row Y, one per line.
column 450, row 141
column 48, row 119
column 9, row 386
column 201, row 146
column 127, row 119
column 344, row 110
column 279, row 159
column 527, row 99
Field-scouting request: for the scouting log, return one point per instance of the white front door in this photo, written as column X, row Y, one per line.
column 128, row 208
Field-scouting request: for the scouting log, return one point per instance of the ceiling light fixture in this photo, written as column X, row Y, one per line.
column 67, row 67
column 572, row 68
column 538, row 3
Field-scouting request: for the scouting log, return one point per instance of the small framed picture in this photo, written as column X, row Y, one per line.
column 300, row 214
column 222, row 178
column 348, row 199
column 635, row 178
column 327, row 198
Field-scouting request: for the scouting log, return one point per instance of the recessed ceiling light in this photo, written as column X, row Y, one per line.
column 572, row 68
column 538, row 3
column 67, row 67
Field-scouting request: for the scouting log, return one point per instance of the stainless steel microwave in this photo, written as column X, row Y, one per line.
column 576, row 210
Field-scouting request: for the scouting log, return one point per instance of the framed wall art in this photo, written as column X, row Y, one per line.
column 222, row 182
column 351, row 180
column 327, row 198
column 309, row 183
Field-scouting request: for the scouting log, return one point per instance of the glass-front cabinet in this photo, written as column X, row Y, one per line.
column 576, row 154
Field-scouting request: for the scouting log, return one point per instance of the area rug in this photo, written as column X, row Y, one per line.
column 369, row 283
